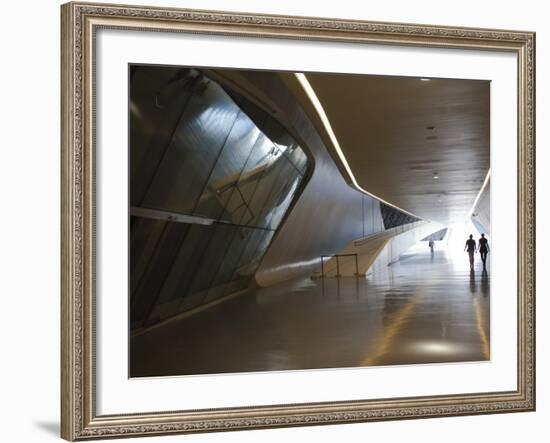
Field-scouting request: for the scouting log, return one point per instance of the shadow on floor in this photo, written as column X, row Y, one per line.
column 49, row 427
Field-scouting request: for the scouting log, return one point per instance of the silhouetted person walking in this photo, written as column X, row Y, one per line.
column 431, row 245
column 483, row 249
column 470, row 247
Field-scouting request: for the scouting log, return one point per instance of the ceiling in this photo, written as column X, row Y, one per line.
column 422, row 145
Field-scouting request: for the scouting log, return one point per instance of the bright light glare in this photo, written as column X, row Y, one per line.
column 432, row 347
column 457, row 236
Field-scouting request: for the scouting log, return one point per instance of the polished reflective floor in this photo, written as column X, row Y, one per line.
column 426, row 308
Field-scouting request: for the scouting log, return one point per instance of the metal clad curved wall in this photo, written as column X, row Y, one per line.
column 329, row 213
column 209, row 189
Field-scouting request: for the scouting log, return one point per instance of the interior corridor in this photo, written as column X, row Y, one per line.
column 423, row 309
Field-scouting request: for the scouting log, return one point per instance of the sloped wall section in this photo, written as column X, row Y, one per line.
column 481, row 216
column 210, row 183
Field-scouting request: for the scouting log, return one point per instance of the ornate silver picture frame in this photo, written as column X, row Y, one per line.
column 80, row 24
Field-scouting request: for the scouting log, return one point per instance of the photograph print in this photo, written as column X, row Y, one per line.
column 283, row 221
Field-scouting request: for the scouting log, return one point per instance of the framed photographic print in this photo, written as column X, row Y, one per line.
column 281, row 221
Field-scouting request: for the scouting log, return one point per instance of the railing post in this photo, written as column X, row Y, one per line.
column 322, row 268
column 356, row 266
column 337, row 266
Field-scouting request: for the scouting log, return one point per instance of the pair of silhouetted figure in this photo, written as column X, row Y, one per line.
column 472, row 248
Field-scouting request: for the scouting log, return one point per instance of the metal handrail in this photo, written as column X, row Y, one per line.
column 338, row 263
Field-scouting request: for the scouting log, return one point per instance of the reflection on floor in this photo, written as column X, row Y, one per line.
column 423, row 309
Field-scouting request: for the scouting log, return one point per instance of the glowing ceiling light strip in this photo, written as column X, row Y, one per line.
column 302, row 79
column 483, row 186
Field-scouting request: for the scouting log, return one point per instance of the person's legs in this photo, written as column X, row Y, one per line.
column 483, row 257
column 471, row 256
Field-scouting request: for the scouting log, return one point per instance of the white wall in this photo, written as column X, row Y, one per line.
column 29, row 245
